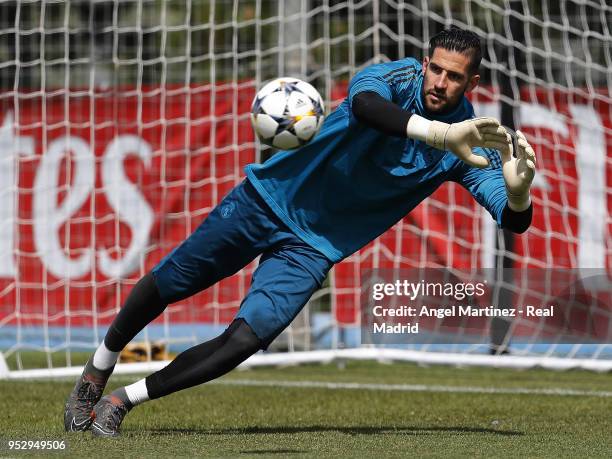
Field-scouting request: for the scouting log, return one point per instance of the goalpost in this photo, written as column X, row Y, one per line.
column 123, row 123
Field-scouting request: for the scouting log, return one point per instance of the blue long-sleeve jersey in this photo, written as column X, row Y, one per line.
column 351, row 182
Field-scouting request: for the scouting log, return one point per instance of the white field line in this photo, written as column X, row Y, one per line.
column 411, row 387
column 360, row 354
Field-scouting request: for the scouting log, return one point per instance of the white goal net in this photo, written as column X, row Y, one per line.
column 123, row 123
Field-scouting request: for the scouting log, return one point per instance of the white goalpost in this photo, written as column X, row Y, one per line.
column 123, row 123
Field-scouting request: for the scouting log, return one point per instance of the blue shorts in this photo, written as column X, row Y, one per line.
column 239, row 229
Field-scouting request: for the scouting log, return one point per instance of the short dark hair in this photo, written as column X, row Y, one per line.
column 461, row 41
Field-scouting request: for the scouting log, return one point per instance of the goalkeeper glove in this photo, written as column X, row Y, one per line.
column 518, row 172
column 461, row 137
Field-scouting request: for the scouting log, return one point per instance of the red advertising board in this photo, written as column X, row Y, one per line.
column 98, row 187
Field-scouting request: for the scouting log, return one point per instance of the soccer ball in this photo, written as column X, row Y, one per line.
column 287, row 113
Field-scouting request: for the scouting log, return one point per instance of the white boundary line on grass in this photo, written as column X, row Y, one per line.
column 329, row 356
column 411, row 387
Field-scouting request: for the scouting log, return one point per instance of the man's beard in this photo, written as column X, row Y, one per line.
column 444, row 108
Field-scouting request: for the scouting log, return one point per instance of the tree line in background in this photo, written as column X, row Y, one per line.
column 104, row 43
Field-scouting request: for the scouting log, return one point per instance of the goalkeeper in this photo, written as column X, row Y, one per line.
column 404, row 129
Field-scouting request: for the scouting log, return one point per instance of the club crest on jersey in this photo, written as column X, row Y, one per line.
column 227, row 209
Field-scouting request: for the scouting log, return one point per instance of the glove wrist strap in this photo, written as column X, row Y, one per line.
column 417, row 127
column 518, row 202
column 436, row 134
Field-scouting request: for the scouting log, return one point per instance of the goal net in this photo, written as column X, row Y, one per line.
column 123, row 123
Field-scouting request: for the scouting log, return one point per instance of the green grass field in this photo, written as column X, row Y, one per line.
column 231, row 420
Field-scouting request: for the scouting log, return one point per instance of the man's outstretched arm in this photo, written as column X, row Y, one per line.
column 375, row 111
column 488, row 188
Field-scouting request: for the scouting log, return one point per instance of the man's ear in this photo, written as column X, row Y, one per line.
column 425, row 63
column 474, row 80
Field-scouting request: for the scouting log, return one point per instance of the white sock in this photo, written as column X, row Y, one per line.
column 104, row 358
column 137, row 392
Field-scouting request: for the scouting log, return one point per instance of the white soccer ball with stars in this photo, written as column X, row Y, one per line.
column 287, row 113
